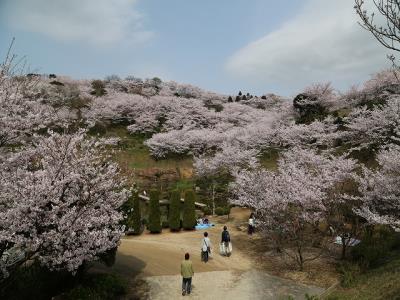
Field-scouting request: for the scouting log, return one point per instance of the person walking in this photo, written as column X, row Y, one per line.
column 226, row 241
column 251, row 224
column 205, row 247
column 187, row 274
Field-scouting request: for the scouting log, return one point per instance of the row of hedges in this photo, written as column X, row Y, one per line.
column 174, row 221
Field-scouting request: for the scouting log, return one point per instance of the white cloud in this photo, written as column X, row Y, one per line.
column 98, row 22
column 322, row 43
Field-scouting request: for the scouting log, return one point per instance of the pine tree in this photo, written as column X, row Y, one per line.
column 154, row 214
column 189, row 210
column 175, row 211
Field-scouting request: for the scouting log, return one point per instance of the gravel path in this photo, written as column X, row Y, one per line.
column 215, row 285
column 152, row 264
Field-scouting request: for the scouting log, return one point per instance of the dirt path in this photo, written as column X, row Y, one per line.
column 155, row 259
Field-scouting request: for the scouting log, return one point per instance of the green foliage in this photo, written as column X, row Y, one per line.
column 98, row 286
column 349, row 272
column 154, row 225
column 219, row 211
column 98, row 87
column 175, row 211
column 108, row 257
column 380, row 283
column 136, row 223
column 189, row 210
column 132, row 214
column 207, row 211
column 35, row 282
column 311, row 297
column 165, row 224
column 376, row 244
column 310, row 112
column 227, row 210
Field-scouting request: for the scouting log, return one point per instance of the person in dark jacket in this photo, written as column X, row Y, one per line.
column 225, row 240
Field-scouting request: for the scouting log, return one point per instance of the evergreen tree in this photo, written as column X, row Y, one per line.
column 230, row 99
column 175, row 211
column 154, row 213
column 136, row 218
column 189, row 213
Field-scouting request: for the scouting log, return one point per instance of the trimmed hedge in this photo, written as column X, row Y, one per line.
column 175, row 211
column 154, row 225
column 137, row 222
column 189, row 210
column 133, row 219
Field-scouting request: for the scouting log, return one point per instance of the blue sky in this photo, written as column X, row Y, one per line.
column 258, row 46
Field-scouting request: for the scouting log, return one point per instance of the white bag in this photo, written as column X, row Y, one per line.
column 230, row 247
column 222, row 249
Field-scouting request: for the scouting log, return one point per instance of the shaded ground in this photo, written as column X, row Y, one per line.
column 152, row 264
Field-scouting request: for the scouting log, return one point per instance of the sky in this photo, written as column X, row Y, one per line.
column 256, row 46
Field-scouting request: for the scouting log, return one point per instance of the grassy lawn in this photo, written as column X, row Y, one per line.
column 135, row 155
column 269, row 159
column 382, row 283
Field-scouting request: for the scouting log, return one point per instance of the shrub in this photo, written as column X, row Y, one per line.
column 35, row 282
column 136, row 218
column 219, row 211
column 189, row 210
column 227, row 210
column 131, row 210
column 98, row 88
column 375, row 246
column 154, row 225
column 165, row 224
column 108, row 257
column 98, row 286
column 349, row 273
column 175, row 211
column 207, row 211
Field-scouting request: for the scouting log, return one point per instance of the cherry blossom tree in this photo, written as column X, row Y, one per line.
column 59, row 202
column 20, row 112
column 218, row 169
column 374, row 128
column 380, row 189
column 291, row 202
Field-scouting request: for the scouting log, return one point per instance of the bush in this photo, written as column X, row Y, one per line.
column 35, row 282
column 349, row 273
column 375, row 247
column 175, row 211
column 227, row 210
column 98, row 286
column 165, row 224
column 108, row 257
column 98, row 88
column 207, row 211
column 131, row 210
column 154, row 225
column 136, row 218
column 220, row 211
column 189, row 210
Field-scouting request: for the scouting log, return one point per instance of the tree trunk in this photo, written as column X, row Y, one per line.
column 344, row 246
column 213, row 198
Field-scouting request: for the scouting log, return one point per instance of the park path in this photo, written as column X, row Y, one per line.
column 248, row 285
column 154, row 260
